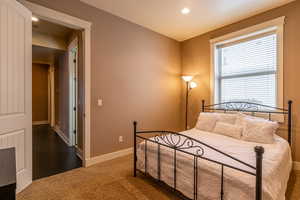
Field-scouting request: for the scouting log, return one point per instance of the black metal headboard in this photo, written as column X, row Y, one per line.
column 249, row 107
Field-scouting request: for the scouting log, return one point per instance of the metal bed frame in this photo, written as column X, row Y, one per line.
column 181, row 143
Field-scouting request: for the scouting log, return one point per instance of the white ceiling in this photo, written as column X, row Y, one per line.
column 164, row 16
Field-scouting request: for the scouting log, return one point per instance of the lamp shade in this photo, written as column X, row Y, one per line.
column 187, row 78
column 193, row 85
column 34, row 19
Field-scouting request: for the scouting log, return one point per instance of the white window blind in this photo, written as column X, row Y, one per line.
column 247, row 70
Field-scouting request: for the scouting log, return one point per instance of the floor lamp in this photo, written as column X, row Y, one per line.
column 189, row 86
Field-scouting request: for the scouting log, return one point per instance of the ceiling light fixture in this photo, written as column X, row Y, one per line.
column 185, row 11
column 34, row 19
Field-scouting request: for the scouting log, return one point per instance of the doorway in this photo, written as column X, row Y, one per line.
column 16, row 107
column 84, row 26
column 55, row 106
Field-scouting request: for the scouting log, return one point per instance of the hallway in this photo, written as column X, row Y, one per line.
column 50, row 153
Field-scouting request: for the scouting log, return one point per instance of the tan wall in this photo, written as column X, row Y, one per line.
column 136, row 73
column 196, row 60
column 39, row 92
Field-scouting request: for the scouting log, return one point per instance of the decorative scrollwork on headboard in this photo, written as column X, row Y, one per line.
column 244, row 106
column 239, row 106
column 180, row 142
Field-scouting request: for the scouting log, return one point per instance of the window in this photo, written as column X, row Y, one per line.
column 248, row 65
column 247, row 70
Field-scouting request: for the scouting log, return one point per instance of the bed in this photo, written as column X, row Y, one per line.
column 196, row 165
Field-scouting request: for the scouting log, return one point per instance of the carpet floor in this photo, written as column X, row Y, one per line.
column 111, row 180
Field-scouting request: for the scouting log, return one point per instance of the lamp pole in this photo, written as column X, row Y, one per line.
column 186, row 104
column 189, row 85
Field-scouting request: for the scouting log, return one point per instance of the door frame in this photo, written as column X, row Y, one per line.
column 78, row 24
column 52, row 95
column 73, row 91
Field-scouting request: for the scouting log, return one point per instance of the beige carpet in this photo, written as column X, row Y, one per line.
column 111, row 180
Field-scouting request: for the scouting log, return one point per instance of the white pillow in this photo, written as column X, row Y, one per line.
column 206, row 121
column 257, row 129
column 228, row 130
column 226, row 118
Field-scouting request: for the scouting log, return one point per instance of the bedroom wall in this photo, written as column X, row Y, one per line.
column 196, row 60
column 39, row 92
column 134, row 70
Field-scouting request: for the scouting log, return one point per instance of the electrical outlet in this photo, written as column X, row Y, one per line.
column 121, row 139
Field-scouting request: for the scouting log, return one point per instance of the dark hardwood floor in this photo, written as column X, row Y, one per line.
column 51, row 155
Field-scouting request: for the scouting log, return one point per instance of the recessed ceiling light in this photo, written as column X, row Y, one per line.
column 185, row 11
column 34, row 19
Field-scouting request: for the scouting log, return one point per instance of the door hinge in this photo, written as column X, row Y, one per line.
column 74, row 60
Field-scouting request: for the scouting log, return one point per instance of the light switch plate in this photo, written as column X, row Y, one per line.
column 100, row 102
column 121, row 139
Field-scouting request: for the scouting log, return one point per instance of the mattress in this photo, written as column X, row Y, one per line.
column 277, row 164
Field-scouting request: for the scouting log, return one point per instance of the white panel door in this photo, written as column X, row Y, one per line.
column 15, row 86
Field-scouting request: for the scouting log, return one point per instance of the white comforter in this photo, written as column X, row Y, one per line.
column 277, row 165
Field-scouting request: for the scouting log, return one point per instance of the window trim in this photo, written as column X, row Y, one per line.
column 275, row 25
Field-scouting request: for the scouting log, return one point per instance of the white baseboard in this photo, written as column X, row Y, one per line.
column 107, row 157
column 24, row 179
column 79, row 152
column 296, row 165
column 40, row 122
column 61, row 134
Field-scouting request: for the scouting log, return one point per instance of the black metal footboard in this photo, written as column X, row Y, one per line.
column 178, row 142
column 195, row 148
